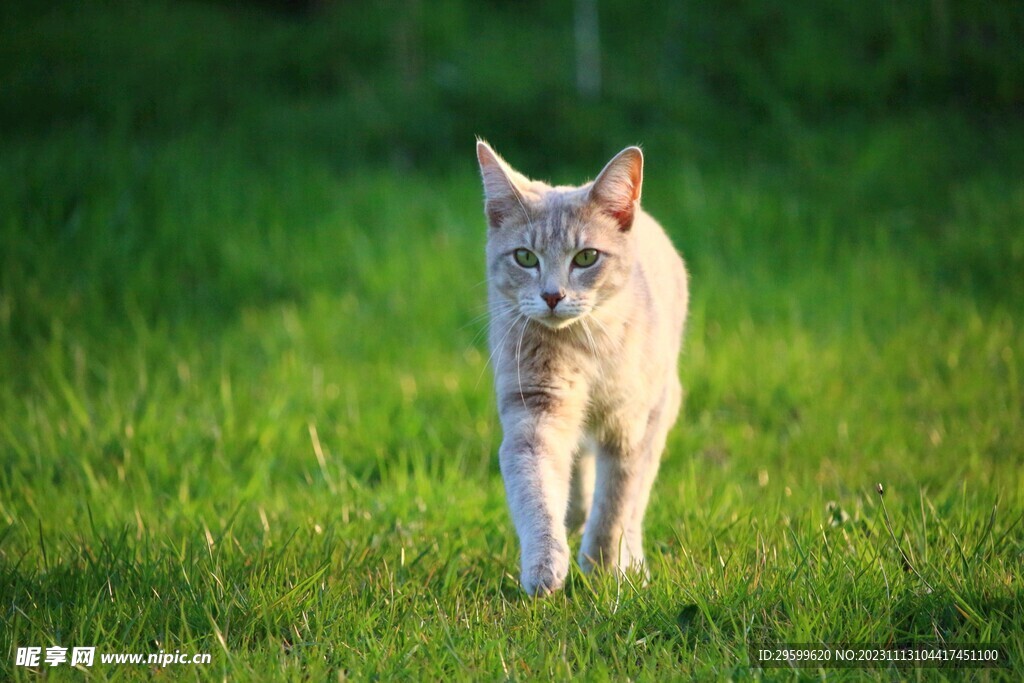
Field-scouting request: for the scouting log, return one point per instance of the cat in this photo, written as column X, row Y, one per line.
column 587, row 300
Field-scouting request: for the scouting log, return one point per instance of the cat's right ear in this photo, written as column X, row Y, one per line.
column 501, row 185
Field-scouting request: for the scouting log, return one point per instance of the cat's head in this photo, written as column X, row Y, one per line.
column 555, row 254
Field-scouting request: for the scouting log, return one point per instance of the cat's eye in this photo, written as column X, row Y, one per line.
column 525, row 258
column 585, row 258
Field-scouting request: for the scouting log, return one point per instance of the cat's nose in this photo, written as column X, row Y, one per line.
column 552, row 298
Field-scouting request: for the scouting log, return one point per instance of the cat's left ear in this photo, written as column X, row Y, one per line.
column 616, row 191
column 502, row 185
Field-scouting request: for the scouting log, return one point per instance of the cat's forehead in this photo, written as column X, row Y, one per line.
column 560, row 216
column 564, row 199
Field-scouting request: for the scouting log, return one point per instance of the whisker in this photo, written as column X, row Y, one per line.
column 496, row 311
column 478, row 336
column 607, row 333
column 593, row 345
column 515, row 193
column 475, row 319
column 622, row 319
column 483, row 330
column 519, row 369
column 498, row 348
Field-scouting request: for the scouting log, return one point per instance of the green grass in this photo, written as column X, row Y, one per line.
column 245, row 407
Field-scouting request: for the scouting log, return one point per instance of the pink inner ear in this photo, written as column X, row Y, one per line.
column 618, row 190
column 623, row 214
column 619, row 194
column 621, row 207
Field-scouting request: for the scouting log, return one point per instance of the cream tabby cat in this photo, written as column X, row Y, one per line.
column 587, row 301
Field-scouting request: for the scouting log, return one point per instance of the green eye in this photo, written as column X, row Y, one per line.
column 526, row 258
column 585, row 258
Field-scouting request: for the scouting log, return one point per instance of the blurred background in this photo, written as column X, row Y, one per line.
column 882, row 104
column 878, row 105
column 405, row 84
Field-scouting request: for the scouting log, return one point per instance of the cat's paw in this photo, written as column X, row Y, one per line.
column 543, row 579
column 545, row 574
column 627, row 564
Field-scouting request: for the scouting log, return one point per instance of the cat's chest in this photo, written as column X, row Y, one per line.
column 612, row 391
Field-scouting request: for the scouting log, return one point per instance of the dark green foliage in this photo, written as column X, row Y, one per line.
column 407, row 83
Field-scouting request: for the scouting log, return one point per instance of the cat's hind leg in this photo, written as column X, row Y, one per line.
column 661, row 423
column 581, row 491
column 626, row 469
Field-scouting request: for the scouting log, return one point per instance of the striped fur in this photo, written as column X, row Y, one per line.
column 588, row 389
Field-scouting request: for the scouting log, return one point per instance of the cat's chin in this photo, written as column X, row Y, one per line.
column 556, row 322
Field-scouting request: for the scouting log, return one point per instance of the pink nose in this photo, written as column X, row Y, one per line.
column 552, row 298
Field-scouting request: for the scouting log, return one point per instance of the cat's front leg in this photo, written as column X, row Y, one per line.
column 536, row 464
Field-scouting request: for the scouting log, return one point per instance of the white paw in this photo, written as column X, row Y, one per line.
column 545, row 573
column 626, row 563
